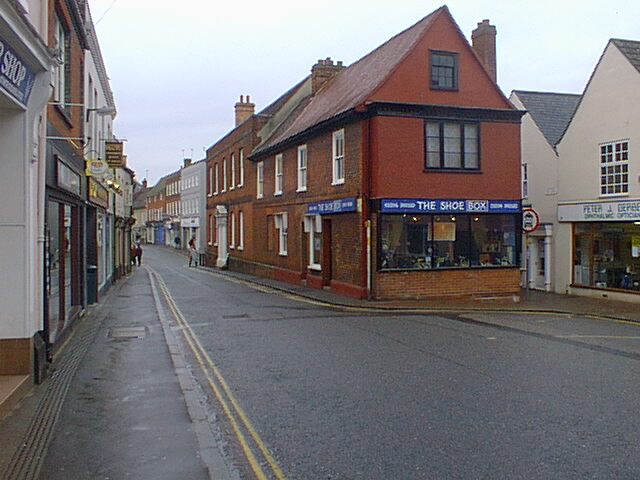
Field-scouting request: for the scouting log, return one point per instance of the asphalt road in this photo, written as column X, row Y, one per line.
column 339, row 394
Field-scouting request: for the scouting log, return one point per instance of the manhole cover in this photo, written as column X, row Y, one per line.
column 127, row 333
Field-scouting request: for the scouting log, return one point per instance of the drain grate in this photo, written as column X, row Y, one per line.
column 127, row 333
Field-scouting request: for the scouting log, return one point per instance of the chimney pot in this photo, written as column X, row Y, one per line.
column 322, row 72
column 244, row 110
column 483, row 40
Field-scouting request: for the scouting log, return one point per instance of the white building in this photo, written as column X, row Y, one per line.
column 548, row 115
column 100, row 113
column 193, row 210
column 599, row 186
column 24, row 92
column 584, row 181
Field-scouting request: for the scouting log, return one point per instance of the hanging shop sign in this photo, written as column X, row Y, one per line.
column 114, row 154
column 98, row 194
column 340, row 205
column 15, row 75
column 600, row 211
column 427, row 205
column 530, row 220
column 96, row 167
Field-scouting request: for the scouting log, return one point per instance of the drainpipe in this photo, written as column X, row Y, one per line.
column 364, row 200
column 548, row 234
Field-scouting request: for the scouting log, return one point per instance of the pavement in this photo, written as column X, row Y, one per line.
column 122, row 374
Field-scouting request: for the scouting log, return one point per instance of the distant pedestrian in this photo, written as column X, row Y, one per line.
column 139, row 254
column 133, row 254
column 193, row 252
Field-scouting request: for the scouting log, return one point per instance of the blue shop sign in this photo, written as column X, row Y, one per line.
column 341, row 205
column 440, row 205
column 15, row 76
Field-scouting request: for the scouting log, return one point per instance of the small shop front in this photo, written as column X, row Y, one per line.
column 606, row 244
column 461, row 238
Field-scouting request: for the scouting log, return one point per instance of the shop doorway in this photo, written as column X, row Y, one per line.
column 62, row 266
column 327, row 255
column 221, row 236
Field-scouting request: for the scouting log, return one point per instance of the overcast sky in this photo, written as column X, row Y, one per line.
column 178, row 68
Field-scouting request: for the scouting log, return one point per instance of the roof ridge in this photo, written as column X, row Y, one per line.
column 340, row 95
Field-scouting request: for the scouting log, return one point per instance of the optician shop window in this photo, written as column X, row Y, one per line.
column 607, row 255
column 413, row 242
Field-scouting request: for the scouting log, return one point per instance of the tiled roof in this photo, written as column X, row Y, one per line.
column 630, row 49
column 353, row 85
column 551, row 111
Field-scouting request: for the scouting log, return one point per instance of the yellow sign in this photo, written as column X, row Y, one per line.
column 96, row 167
column 113, row 152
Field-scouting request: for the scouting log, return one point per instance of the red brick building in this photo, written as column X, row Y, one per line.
column 396, row 177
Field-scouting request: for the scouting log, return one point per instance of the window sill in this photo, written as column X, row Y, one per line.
column 607, row 196
column 301, row 190
column 314, row 267
column 338, row 183
column 277, row 194
column 451, row 170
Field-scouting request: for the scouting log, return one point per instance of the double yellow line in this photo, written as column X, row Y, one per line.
column 235, row 415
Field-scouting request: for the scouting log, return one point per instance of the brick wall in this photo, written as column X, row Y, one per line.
column 446, row 283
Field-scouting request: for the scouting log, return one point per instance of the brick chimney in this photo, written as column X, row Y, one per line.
column 244, row 110
column 322, row 71
column 187, row 162
column 483, row 40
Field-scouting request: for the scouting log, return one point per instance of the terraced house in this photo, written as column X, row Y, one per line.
column 397, row 176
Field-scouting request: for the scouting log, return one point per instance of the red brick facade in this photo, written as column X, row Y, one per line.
column 382, row 104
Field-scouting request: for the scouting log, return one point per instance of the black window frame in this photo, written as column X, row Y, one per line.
column 442, row 70
column 465, row 166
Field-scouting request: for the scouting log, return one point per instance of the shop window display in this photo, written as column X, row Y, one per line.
column 607, row 255
column 411, row 242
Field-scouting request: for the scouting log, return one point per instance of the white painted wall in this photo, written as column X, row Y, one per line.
column 608, row 112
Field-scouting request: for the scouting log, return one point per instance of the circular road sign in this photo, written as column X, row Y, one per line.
column 530, row 220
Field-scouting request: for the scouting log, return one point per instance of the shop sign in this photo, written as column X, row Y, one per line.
column 427, row 205
column 341, row 205
column 96, row 167
column 602, row 212
column 114, row 154
column 190, row 222
column 15, row 76
column 98, row 194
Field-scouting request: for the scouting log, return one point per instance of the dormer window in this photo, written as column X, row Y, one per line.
column 444, row 70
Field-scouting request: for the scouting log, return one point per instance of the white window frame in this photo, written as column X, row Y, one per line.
column 232, row 159
column 278, row 168
column 210, row 193
column 260, row 180
column 232, row 219
column 281, row 222
column 224, row 175
column 614, row 168
column 216, row 176
column 241, row 166
column 241, row 230
column 312, row 226
column 338, row 157
column 302, row 168
column 59, row 80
